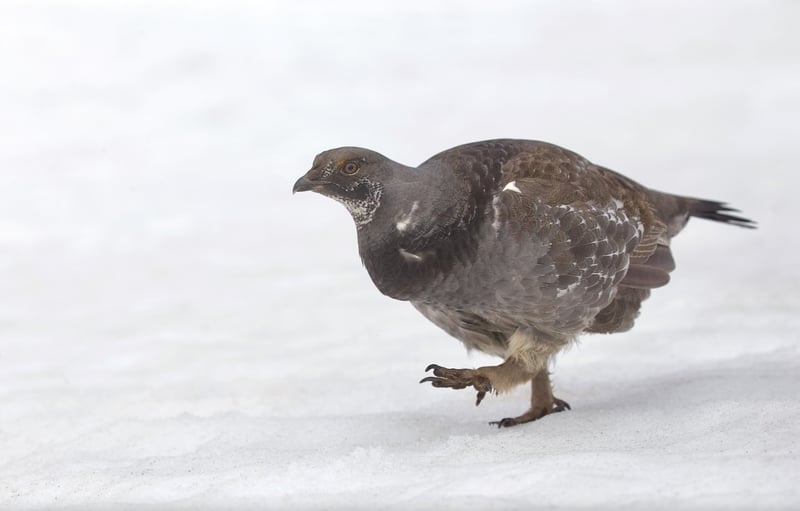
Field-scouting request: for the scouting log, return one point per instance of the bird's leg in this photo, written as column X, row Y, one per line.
column 499, row 378
column 526, row 360
column 542, row 402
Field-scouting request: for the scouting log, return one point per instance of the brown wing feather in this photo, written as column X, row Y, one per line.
column 651, row 261
column 560, row 177
column 620, row 314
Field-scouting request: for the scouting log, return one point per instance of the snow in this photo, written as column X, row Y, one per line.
column 178, row 331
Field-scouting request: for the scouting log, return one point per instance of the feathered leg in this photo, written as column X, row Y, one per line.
column 499, row 378
column 526, row 360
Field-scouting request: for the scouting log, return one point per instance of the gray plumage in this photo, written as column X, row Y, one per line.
column 514, row 247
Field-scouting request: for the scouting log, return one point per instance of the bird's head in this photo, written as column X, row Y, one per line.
column 351, row 175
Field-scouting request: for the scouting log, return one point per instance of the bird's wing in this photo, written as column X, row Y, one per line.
column 561, row 178
column 554, row 178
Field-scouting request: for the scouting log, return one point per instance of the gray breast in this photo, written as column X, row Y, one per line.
column 550, row 268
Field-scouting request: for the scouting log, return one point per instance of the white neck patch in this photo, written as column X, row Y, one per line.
column 363, row 210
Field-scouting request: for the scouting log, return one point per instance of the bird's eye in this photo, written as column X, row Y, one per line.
column 350, row 168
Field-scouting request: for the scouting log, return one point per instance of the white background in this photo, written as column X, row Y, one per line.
column 178, row 331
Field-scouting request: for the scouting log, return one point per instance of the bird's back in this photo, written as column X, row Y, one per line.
column 558, row 244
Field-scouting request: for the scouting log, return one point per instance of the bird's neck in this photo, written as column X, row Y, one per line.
column 417, row 237
column 392, row 273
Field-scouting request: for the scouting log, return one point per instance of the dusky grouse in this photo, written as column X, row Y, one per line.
column 514, row 247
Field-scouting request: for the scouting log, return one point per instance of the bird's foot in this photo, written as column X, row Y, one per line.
column 459, row 379
column 537, row 412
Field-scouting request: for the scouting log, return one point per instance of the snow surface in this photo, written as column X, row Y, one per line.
column 177, row 331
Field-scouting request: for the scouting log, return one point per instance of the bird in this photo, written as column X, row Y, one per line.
column 514, row 247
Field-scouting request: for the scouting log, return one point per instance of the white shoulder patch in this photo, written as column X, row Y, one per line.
column 406, row 220
column 512, row 186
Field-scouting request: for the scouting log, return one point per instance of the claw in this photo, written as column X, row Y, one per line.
column 504, row 423
column 559, row 405
column 443, row 382
column 458, row 379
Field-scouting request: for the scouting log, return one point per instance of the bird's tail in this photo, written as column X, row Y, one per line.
column 719, row 212
column 675, row 210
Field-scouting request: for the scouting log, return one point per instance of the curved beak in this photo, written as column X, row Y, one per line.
column 311, row 181
column 303, row 185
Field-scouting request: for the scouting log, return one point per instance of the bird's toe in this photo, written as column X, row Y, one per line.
column 444, row 377
column 559, row 405
column 535, row 413
column 444, row 382
column 505, row 423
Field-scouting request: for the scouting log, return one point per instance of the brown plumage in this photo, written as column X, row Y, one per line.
column 514, row 247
